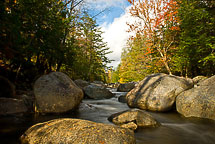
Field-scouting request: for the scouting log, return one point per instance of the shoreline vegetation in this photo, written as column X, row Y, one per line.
column 38, row 37
column 173, row 37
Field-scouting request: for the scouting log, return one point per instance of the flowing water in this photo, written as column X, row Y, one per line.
column 174, row 128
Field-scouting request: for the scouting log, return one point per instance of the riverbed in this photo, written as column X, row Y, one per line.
column 174, row 129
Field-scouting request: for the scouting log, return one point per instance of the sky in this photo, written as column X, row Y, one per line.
column 113, row 23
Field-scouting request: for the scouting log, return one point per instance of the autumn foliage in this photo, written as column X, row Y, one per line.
column 171, row 36
column 157, row 18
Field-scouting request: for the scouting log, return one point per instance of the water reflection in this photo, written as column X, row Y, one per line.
column 177, row 134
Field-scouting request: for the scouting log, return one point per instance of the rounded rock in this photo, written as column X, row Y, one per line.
column 157, row 92
column 76, row 131
column 134, row 116
column 56, row 93
column 198, row 101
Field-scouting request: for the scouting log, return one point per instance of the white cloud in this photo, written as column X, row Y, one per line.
column 116, row 35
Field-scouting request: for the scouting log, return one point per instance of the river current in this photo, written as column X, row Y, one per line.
column 174, row 129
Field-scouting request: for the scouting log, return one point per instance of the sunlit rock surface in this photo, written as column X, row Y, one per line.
column 76, row 131
column 157, row 92
column 133, row 119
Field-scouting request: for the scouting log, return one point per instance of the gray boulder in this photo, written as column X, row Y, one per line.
column 133, row 119
column 198, row 101
column 126, row 87
column 56, row 93
column 97, row 92
column 76, row 131
column 11, row 106
column 157, row 92
column 81, row 83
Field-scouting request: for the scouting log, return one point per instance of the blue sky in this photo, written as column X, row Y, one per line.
column 112, row 9
column 113, row 23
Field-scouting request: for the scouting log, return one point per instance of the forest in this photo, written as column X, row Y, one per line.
column 40, row 36
column 169, row 36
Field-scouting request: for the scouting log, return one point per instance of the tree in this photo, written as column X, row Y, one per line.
column 90, row 50
column 136, row 61
column 195, row 55
column 37, row 37
column 159, row 24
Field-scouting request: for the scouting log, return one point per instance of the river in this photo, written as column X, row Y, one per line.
column 174, row 129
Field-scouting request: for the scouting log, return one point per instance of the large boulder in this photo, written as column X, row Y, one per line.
column 126, row 87
column 97, row 92
column 7, row 88
column 76, row 131
column 157, row 92
column 11, row 106
column 133, row 119
column 198, row 101
column 56, row 93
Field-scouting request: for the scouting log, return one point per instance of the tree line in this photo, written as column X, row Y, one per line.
column 40, row 36
column 170, row 36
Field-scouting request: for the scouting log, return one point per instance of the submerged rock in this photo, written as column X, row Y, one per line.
column 76, row 131
column 198, row 101
column 133, row 119
column 56, row 93
column 97, row 92
column 157, row 92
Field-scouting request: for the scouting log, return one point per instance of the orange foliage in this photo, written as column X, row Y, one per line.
column 155, row 17
column 155, row 14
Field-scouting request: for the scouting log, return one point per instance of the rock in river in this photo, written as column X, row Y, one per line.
column 56, row 93
column 157, row 92
column 76, row 131
column 97, row 92
column 11, row 106
column 198, row 101
column 81, row 83
column 133, row 119
column 126, row 87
